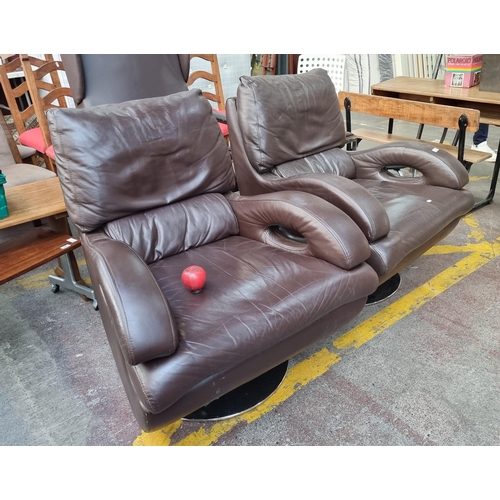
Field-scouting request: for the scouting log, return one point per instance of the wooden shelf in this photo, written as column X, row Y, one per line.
column 33, row 249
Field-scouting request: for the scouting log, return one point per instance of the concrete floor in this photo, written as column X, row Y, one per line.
column 420, row 369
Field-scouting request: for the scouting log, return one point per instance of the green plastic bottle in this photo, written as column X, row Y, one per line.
column 4, row 211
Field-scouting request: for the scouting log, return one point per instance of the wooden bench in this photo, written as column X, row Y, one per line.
column 447, row 117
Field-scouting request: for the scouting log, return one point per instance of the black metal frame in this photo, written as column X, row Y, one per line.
column 493, row 185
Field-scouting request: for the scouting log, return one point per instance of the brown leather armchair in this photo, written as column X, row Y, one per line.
column 287, row 133
column 148, row 185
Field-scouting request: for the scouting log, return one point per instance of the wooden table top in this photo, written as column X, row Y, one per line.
column 430, row 90
column 33, row 201
column 436, row 88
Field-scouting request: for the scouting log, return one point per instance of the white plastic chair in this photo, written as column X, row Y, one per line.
column 334, row 64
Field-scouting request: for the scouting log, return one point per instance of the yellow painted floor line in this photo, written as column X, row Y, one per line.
column 449, row 249
column 417, row 298
column 474, row 178
column 297, row 377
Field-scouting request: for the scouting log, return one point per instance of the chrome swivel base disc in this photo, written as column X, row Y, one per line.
column 385, row 290
column 242, row 398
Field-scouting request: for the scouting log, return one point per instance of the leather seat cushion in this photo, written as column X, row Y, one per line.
column 255, row 296
column 416, row 213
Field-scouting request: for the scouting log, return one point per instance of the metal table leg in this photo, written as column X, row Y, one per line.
column 68, row 282
column 493, row 185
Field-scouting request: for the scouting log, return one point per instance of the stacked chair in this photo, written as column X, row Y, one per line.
column 46, row 92
column 20, row 109
column 11, row 164
column 210, row 83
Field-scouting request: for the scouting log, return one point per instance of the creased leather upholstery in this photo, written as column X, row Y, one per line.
column 332, row 161
column 310, row 126
column 154, row 163
column 330, row 235
column 393, row 212
column 192, row 223
column 261, row 292
column 152, row 197
column 436, row 166
column 126, row 287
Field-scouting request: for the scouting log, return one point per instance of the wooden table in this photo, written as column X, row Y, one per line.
column 435, row 91
column 30, row 202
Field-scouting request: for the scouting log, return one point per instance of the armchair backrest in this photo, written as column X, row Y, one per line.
column 16, row 95
column 287, row 117
column 110, row 78
column 46, row 91
column 116, row 160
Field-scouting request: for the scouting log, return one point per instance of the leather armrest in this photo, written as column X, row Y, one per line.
column 356, row 201
column 327, row 232
column 438, row 167
column 130, row 300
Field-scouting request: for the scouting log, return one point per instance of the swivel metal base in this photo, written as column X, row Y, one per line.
column 242, row 398
column 385, row 290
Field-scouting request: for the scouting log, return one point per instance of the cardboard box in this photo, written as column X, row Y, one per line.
column 490, row 74
column 463, row 70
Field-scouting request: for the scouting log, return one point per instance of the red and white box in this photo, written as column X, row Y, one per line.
column 463, row 70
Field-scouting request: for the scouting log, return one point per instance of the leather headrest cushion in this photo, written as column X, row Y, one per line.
column 286, row 117
column 119, row 159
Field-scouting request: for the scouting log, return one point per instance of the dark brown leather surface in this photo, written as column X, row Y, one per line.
column 221, row 383
column 331, row 161
column 148, row 184
column 275, row 132
column 110, row 78
column 109, row 169
column 255, row 296
column 191, row 223
column 358, row 203
column 416, row 214
column 392, row 211
column 328, row 233
column 131, row 304
column 438, row 168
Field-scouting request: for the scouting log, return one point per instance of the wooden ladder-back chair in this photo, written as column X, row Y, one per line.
column 22, row 111
column 46, row 90
column 11, row 164
column 214, row 78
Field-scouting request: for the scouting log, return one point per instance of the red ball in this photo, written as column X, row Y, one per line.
column 193, row 278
